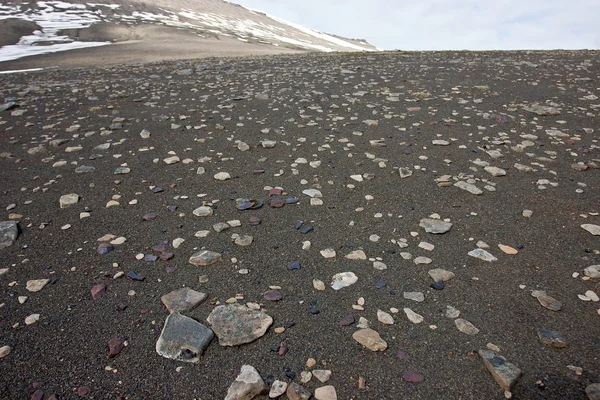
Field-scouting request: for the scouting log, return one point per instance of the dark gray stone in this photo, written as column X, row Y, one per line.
column 184, row 299
column 9, row 230
column 552, row 338
column 183, row 338
column 435, row 225
column 505, row 373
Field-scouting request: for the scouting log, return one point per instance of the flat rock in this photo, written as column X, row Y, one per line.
column 235, row 324
column 435, row 225
column 465, row 326
column 222, row 176
column 203, row 211
column 9, row 231
column 541, row 109
column 422, row 260
column 370, row 339
column 325, row 393
column 505, row 373
column 184, row 299
column 312, row 193
column 171, row 160
column 591, row 228
column 297, row 392
column 494, row 171
column 322, row 375
column 593, row 271
column 507, row 249
column 247, row 385
column 413, row 316
column 552, row 338
column 183, row 338
column 356, row 255
column 439, row 274
column 482, row 255
column 204, row 257
column 549, row 302
column 468, row 187
column 68, row 200
column 4, row 351
column 384, row 318
column 343, row 279
column 416, row 296
column 35, row 285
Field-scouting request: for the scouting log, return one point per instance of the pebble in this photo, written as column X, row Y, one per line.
column 68, row 200
column 325, row 393
column 343, row 279
column 413, row 316
column 32, row 319
column 552, row 338
column 235, row 324
column 247, row 385
column 482, row 255
column 439, row 274
column 204, row 258
column 435, row 226
column 36, row 285
column 505, row 373
column 591, row 228
column 4, row 351
column 370, row 339
column 416, row 296
column 278, row 388
column 385, row 318
column 593, row 271
column 465, row 326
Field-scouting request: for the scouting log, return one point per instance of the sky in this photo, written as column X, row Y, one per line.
column 448, row 24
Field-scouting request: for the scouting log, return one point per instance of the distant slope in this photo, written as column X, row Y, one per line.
column 76, row 23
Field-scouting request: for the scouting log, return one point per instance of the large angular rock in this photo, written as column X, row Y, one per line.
column 593, row 271
column 204, row 257
column 183, row 299
column 247, row 385
column 370, row 339
column 505, row 373
column 235, row 324
column 435, row 225
column 183, row 338
column 591, row 228
column 9, row 230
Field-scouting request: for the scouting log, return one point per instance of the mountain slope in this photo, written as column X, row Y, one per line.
column 76, row 24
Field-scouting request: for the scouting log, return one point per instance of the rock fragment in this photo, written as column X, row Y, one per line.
column 68, row 200
column 247, row 385
column 183, row 338
column 9, row 231
column 465, row 326
column 235, row 324
column 552, row 338
column 370, row 339
column 435, row 225
column 181, row 300
column 204, row 258
column 505, row 373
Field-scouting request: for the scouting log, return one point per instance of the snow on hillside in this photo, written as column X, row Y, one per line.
column 203, row 18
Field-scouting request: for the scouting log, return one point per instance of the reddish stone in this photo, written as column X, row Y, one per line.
column 37, row 395
column 272, row 295
column 83, row 391
column 115, row 346
column 411, row 377
column 98, row 291
column 347, row 320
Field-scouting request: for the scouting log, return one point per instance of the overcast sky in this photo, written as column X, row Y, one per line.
column 448, row 24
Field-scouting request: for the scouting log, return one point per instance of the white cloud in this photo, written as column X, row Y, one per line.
column 448, row 24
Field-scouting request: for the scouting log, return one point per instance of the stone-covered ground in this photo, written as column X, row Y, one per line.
column 387, row 226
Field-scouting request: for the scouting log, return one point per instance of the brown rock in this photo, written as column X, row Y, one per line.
column 115, row 346
column 370, row 339
column 98, row 291
column 184, row 299
column 297, row 392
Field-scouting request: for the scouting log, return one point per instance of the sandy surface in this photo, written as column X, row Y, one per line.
column 315, row 110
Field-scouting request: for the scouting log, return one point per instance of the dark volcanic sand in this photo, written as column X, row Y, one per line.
column 67, row 347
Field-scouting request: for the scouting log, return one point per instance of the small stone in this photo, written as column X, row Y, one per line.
column 9, row 231
column 356, row 255
column 465, row 326
column 277, row 389
column 422, row 260
column 305, row 376
column 385, row 318
column 204, row 258
column 552, row 338
column 413, row 316
column 328, row 253
column 412, row 377
column 247, row 385
column 591, row 228
column 171, row 160
column 416, row 296
column 115, row 346
column 482, row 255
column 468, row 187
column 244, row 240
column 505, row 373
column 325, row 393
column 370, row 339
column 439, row 274
column 32, row 319
column 235, row 324
column 549, row 302
column 494, row 171
column 297, row 392
column 36, row 285
column 343, row 279
column 98, row 291
column 527, row 213
column 435, row 226
column 593, row 271
column 68, row 200
column 312, row 193
column 322, row 375
column 592, row 296
column 4, row 351
column 181, row 300
column 593, row 391
column 203, row 211
column 318, row 284
column 452, row 312
column 183, row 338
column 507, row 249
column 405, row 172
column 222, row 176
